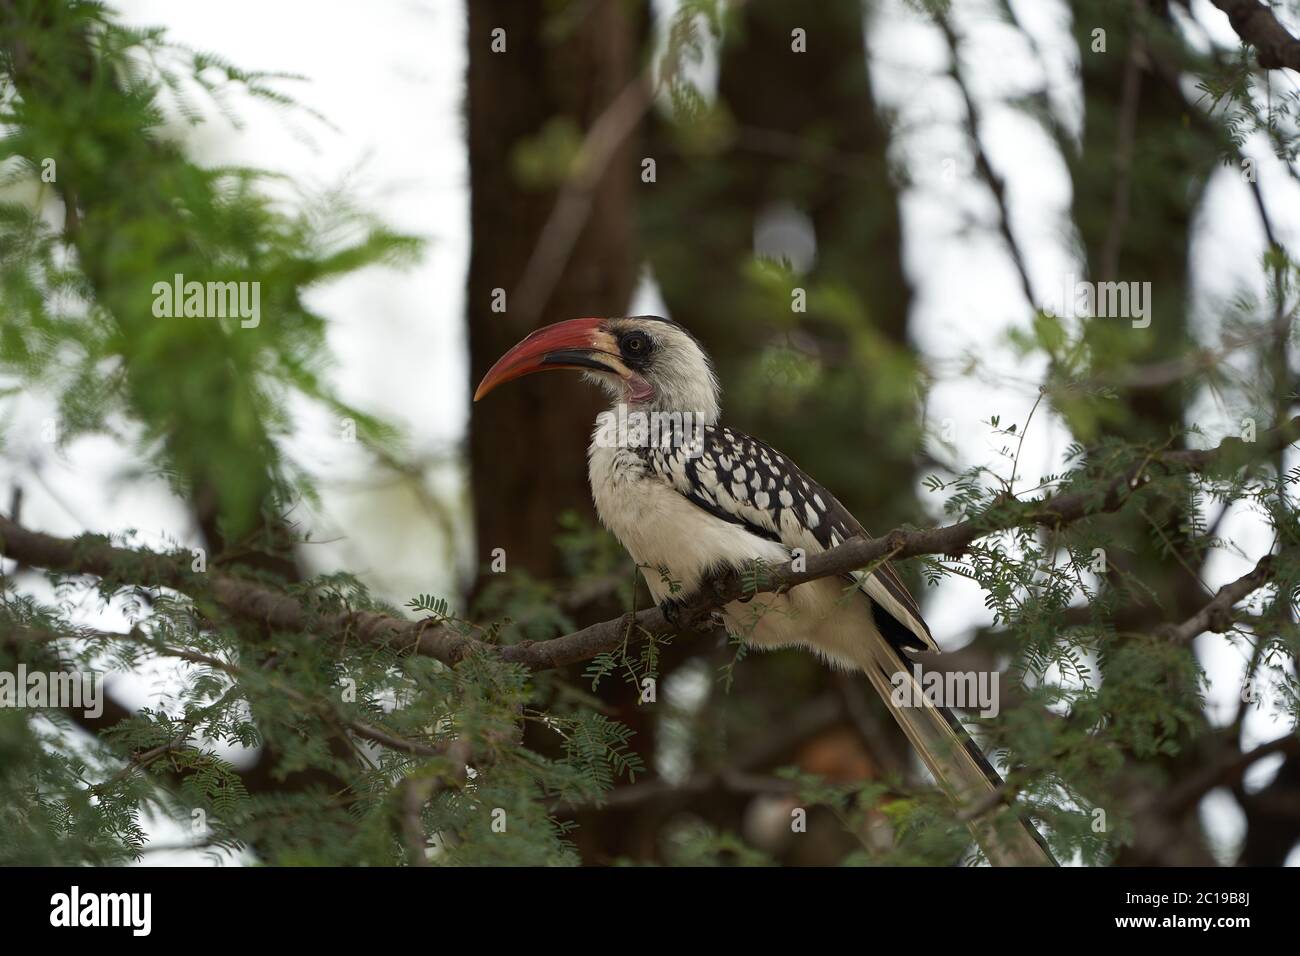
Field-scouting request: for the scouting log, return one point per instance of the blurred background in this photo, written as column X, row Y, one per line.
column 932, row 175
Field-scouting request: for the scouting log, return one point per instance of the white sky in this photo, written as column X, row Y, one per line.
column 389, row 77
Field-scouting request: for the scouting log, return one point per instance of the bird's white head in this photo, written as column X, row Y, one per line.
column 644, row 361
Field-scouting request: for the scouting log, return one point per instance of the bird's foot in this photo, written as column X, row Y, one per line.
column 671, row 608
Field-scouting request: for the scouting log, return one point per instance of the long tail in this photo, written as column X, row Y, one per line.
column 955, row 760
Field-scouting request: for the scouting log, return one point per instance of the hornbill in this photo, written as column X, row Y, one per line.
column 691, row 498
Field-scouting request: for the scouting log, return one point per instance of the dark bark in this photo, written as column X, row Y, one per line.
column 528, row 442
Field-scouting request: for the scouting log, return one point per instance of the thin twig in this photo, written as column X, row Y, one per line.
column 996, row 184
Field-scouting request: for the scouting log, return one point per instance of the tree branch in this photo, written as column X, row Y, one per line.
column 416, row 791
column 983, row 165
column 1224, row 771
column 1217, row 614
column 1257, row 25
column 259, row 603
column 362, row 729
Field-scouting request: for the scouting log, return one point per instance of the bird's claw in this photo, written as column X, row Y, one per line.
column 671, row 608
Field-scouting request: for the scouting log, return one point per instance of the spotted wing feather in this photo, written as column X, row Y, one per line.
column 745, row 481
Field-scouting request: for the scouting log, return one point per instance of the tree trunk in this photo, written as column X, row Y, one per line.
column 528, row 442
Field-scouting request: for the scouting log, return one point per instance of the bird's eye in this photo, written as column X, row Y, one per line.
column 634, row 343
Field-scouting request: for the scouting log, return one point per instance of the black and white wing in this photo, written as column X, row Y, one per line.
column 742, row 480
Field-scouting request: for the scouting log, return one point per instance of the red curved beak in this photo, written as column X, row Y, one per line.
column 577, row 343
